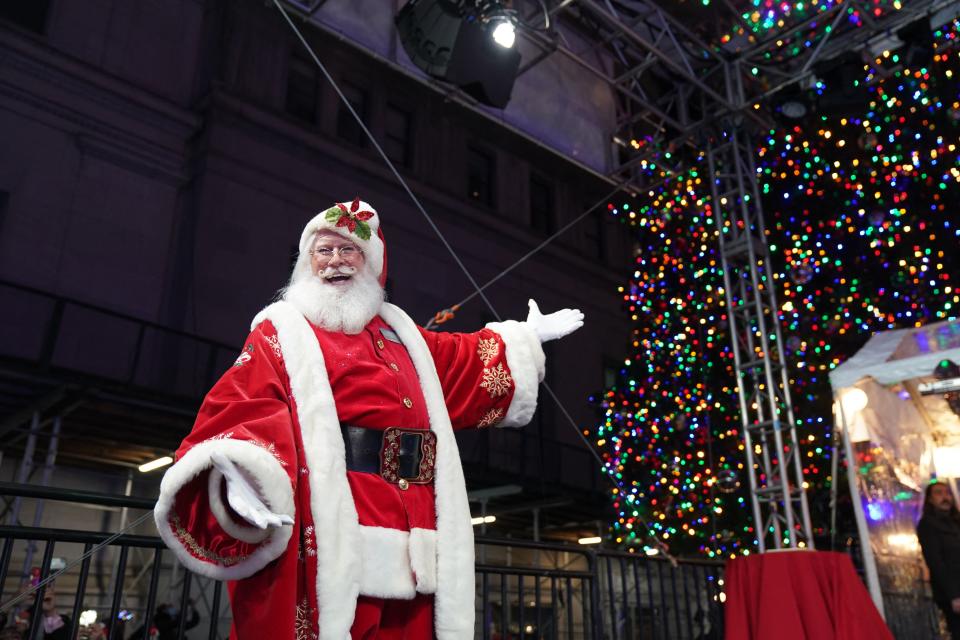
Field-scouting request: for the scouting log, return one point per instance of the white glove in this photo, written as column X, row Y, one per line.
column 553, row 325
column 243, row 497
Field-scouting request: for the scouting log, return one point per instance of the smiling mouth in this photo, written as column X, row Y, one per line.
column 337, row 279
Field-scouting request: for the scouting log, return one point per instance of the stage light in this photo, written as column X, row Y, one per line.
column 853, row 400
column 467, row 44
column 155, row 464
column 504, row 33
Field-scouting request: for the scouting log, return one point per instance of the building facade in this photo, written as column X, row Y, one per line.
column 159, row 162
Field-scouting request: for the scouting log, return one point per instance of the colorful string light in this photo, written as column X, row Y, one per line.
column 863, row 228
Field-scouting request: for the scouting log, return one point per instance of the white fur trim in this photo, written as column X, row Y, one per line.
column 423, row 559
column 339, row 564
column 331, row 503
column 385, row 555
column 454, row 600
column 250, row 534
column 527, row 366
column 372, row 248
column 272, row 483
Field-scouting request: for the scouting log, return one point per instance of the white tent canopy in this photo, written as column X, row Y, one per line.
column 895, row 356
column 892, row 437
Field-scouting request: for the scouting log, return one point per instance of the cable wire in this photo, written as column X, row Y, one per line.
column 478, row 289
column 53, row 576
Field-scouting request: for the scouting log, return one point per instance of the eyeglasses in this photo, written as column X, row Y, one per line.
column 346, row 252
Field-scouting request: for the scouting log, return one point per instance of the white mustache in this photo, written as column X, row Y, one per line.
column 344, row 270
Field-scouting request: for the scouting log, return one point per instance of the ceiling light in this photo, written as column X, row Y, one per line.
column 591, row 540
column 483, row 520
column 155, row 464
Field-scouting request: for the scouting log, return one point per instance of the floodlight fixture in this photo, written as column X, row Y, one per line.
column 504, row 33
column 469, row 43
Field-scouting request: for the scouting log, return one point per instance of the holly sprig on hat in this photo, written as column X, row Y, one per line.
column 353, row 218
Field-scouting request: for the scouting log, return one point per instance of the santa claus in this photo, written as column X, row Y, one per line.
column 322, row 477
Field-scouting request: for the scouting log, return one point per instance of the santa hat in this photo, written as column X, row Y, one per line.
column 356, row 221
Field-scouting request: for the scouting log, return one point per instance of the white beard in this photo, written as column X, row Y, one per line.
column 347, row 309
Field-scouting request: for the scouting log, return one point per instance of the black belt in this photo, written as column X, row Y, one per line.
column 400, row 456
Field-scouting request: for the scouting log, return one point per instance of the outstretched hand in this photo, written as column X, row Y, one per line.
column 243, row 497
column 553, row 325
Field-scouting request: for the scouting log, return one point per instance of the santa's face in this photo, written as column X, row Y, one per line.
column 335, row 260
column 340, row 293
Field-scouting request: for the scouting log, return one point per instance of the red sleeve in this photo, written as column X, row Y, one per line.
column 489, row 377
column 247, row 417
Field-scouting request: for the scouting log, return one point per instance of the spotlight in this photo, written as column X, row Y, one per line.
column 467, row 43
column 504, row 33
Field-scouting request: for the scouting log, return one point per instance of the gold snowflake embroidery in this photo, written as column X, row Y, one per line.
column 488, row 350
column 496, row 381
column 491, row 418
column 274, row 343
column 303, row 624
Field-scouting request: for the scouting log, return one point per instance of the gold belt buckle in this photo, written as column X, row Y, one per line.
column 390, row 456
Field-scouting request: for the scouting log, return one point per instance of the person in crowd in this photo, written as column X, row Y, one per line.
column 166, row 623
column 939, row 534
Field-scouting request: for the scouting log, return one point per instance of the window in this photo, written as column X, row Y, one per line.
column 480, row 168
column 302, row 88
column 594, row 235
column 347, row 126
column 29, row 14
column 396, row 135
column 541, row 204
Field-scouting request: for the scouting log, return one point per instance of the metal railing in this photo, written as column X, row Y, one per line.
column 121, row 565
column 524, row 589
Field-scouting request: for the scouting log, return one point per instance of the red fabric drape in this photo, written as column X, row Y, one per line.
column 799, row 595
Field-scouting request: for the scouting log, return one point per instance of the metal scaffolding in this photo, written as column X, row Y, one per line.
column 778, row 500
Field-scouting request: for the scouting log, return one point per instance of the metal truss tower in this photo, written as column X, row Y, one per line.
column 768, row 427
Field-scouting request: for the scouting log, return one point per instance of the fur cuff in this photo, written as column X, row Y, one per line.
column 527, row 366
column 272, row 483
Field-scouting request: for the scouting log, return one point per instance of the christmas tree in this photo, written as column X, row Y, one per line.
column 861, row 207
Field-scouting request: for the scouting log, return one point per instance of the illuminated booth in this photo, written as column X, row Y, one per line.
column 896, row 406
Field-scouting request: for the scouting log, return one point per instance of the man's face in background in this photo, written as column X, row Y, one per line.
column 941, row 498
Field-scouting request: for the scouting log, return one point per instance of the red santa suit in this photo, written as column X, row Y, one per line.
column 360, row 542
